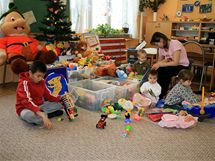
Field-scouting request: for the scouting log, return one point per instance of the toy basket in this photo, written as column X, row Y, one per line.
column 140, row 101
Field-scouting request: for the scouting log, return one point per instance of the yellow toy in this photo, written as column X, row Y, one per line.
column 131, row 75
column 202, row 111
column 55, row 84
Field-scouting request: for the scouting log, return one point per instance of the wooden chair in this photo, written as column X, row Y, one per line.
column 196, row 55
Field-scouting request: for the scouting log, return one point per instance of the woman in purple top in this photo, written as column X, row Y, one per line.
column 172, row 58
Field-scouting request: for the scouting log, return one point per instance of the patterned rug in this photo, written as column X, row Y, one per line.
column 80, row 140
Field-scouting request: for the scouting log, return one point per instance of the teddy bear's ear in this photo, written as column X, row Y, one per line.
column 12, row 6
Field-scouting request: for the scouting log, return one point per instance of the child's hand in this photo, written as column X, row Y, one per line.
column 47, row 123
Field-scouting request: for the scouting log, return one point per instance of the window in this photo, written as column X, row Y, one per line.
column 4, row 6
column 87, row 14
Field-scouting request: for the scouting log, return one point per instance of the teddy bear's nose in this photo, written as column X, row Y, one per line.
column 20, row 22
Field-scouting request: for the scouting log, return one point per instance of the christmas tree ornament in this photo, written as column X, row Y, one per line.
column 51, row 9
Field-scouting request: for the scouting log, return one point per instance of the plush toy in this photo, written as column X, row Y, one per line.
column 17, row 47
column 108, row 69
column 121, row 74
column 82, row 49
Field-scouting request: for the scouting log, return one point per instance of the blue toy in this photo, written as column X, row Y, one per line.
column 121, row 74
column 195, row 110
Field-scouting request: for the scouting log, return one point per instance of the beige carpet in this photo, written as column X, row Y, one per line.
column 80, row 140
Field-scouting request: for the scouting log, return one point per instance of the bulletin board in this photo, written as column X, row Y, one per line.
column 196, row 10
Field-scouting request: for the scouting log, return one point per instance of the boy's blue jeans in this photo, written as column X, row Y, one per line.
column 32, row 118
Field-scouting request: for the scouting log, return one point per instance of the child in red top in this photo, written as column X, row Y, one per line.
column 30, row 94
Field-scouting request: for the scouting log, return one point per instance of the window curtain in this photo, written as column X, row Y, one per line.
column 132, row 17
column 80, row 15
column 4, row 6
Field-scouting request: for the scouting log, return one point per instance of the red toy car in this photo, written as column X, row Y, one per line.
column 101, row 123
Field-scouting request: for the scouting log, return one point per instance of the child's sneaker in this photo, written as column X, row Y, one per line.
column 54, row 114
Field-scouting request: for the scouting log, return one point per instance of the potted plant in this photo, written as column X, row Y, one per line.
column 105, row 30
column 153, row 4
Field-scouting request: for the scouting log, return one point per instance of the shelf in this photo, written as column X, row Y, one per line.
column 207, row 31
column 194, row 29
column 188, row 22
column 185, row 30
column 184, row 38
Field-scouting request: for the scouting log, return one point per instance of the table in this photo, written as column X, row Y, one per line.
column 208, row 55
column 152, row 54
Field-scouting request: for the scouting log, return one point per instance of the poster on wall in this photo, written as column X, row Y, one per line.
column 205, row 8
column 187, row 8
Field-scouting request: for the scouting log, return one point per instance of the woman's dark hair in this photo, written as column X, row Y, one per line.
column 184, row 75
column 38, row 66
column 157, row 36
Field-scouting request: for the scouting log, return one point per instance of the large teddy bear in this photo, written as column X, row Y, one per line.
column 17, row 47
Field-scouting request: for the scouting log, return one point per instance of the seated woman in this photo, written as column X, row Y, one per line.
column 172, row 59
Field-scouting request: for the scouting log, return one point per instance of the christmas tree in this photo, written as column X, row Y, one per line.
column 57, row 26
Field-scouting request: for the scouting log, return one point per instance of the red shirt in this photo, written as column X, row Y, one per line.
column 6, row 41
column 30, row 95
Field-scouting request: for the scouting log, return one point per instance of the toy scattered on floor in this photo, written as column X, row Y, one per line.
column 126, row 104
column 127, row 129
column 182, row 120
column 111, row 109
column 140, row 101
column 112, row 116
column 121, row 74
column 138, row 116
column 69, row 106
column 59, row 119
column 101, row 123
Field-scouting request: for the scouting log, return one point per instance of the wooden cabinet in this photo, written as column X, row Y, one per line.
column 197, row 31
column 152, row 27
column 115, row 48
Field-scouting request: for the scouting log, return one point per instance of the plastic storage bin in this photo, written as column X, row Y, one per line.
column 124, row 88
column 80, row 74
column 92, row 94
column 75, row 75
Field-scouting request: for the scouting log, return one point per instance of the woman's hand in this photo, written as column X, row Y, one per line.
column 155, row 66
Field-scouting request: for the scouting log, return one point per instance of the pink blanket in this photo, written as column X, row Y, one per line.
column 170, row 121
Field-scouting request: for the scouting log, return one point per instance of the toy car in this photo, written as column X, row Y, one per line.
column 101, row 123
